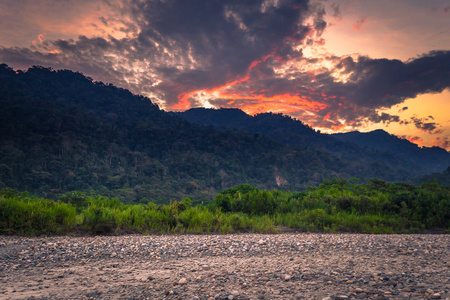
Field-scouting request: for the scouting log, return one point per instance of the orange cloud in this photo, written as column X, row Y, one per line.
column 359, row 23
column 442, row 142
column 41, row 37
column 184, row 103
column 415, row 139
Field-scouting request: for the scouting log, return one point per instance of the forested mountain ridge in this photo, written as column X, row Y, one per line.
column 61, row 131
column 435, row 158
column 373, row 147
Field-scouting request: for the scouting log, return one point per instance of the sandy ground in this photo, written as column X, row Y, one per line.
column 246, row 266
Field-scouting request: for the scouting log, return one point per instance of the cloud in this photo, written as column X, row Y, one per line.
column 442, row 142
column 185, row 47
column 421, row 124
column 246, row 54
column 359, row 23
column 383, row 118
column 336, row 10
column 351, row 90
column 413, row 139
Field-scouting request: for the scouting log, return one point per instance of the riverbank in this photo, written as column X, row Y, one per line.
column 244, row 266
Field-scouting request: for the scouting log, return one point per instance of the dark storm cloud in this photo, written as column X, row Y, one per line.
column 186, row 45
column 319, row 22
column 176, row 47
column 381, row 83
column 222, row 37
column 370, row 85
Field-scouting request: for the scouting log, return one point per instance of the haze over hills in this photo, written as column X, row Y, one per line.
column 61, row 131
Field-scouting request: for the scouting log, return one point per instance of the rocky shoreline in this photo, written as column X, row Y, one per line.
column 240, row 266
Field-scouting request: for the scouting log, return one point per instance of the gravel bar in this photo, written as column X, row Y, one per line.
column 239, row 266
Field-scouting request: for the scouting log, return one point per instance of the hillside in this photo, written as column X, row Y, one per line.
column 61, row 131
column 377, row 147
column 433, row 159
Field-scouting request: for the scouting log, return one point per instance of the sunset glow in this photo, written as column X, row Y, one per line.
column 335, row 65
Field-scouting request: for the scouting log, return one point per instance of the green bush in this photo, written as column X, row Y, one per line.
column 335, row 206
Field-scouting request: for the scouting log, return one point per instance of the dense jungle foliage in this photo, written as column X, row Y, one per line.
column 377, row 146
column 335, row 206
column 61, row 131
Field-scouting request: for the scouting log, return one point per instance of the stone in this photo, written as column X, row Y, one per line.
column 182, row 281
column 436, row 296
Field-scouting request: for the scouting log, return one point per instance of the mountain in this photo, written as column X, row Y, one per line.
column 276, row 126
column 432, row 159
column 61, row 131
column 442, row 178
column 377, row 147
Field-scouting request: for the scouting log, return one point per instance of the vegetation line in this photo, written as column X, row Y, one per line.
column 335, row 206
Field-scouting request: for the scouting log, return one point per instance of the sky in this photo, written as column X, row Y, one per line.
column 337, row 66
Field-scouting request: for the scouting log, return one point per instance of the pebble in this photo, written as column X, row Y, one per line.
column 248, row 266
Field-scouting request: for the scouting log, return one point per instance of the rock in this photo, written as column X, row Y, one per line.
column 92, row 294
column 341, row 297
column 182, row 281
column 436, row 296
column 235, row 293
column 287, row 277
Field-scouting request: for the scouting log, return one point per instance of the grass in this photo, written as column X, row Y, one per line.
column 332, row 207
